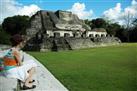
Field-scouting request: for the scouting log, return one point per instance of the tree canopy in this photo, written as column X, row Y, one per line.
column 133, row 32
column 98, row 23
column 115, row 29
column 4, row 37
column 15, row 24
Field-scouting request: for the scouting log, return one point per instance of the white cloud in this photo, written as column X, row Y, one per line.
column 113, row 13
column 80, row 10
column 117, row 15
column 12, row 7
column 131, row 9
column 29, row 10
column 134, row 2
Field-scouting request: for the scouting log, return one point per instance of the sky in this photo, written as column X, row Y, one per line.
column 85, row 9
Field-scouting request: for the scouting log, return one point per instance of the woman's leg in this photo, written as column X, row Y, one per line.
column 30, row 72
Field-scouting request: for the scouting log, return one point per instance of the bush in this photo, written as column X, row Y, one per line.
column 16, row 24
column 4, row 37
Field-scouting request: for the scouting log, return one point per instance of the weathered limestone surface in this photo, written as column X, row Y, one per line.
column 71, row 43
column 44, row 20
column 62, row 30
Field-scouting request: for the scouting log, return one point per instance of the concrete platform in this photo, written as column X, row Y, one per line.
column 45, row 81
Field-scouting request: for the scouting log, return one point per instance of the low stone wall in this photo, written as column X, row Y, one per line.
column 79, row 43
column 4, row 47
column 69, row 43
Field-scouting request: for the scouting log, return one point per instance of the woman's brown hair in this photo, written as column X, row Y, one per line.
column 16, row 39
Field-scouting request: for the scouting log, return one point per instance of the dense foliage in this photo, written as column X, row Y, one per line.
column 18, row 24
column 15, row 24
column 133, row 32
column 126, row 34
column 4, row 37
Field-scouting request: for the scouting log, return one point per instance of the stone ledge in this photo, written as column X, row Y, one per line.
column 7, row 84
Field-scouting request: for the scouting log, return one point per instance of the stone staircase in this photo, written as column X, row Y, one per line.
column 61, row 44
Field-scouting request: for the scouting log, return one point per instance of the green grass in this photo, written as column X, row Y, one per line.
column 112, row 68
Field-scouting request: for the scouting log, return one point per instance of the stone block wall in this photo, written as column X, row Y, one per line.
column 69, row 43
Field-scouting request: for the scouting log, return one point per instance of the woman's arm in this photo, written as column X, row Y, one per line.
column 18, row 57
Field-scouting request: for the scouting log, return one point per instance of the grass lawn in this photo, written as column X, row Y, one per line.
column 112, row 68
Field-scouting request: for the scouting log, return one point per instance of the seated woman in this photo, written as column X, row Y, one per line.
column 15, row 67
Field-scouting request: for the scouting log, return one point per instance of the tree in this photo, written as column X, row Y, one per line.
column 113, row 28
column 134, row 23
column 4, row 37
column 133, row 32
column 88, row 22
column 128, row 22
column 98, row 23
column 16, row 24
column 120, row 33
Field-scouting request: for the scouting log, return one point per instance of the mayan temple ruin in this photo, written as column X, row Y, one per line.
column 63, row 30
